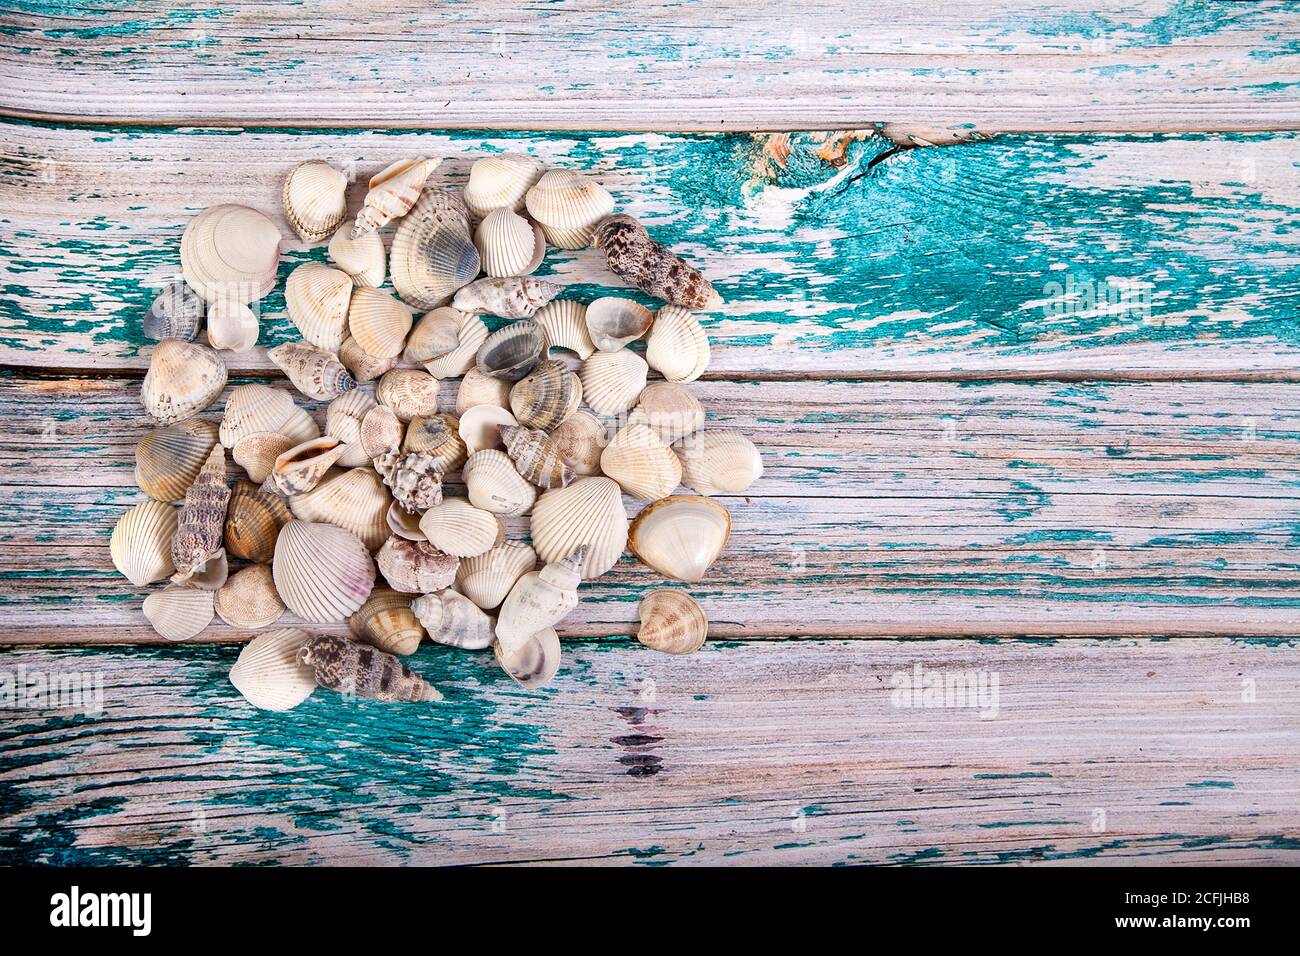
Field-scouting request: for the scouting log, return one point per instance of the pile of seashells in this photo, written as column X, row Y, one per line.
column 320, row 517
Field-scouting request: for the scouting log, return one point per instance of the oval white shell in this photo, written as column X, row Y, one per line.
column 500, row 182
column 580, row 439
column 587, row 512
column 641, row 463
column 315, row 199
column 677, row 346
column 268, row 672
column 611, row 381
column 256, row 408
column 317, row 299
column 379, row 322
column 232, row 326
column 179, row 612
column 477, row 388
column 363, row 259
column 230, row 252
column 248, row 598
column 668, row 408
column 322, row 573
column 183, row 379
column 494, row 485
column 533, row 663
column 457, row 527
column 681, row 536
column 719, row 461
column 568, row 206
column 343, row 421
column 487, row 578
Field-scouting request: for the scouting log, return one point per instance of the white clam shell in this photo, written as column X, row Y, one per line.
column 141, row 543
column 409, row 393
column 568, row 206
column 232, row 326
column 268, row 672
column 248, row 598
column 508, row 244
column 379, row 322
column 433, row 253
column 322, row 573
column 473, row 333
column 612, row 381
column 403, row 523
column 478, row 388
column 183, row 379
column 565, row 324
column 641, row 463
column 487, row 578
column 677, row 346
column 613, row 322
column 315, row 199
column 681, row 536
column 256, row 453
column 588, row 512
column 533, row 663
column 230, row 252
column 178, row 612
column 343, row 421
column 670, row 409
column 494, row 485
column 457, row 527
column 719, row 461
column 254, row 408
column 393, row 191
column 317, row 299
column 356, row 500
column 580, row 440
column 480, row 426
column 672, row 622
column 451, row 618
column 500, row 182
column 363, row 259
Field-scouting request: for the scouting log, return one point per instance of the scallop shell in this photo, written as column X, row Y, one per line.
column 677, row 346
column 719, row 461
column 393, row 191
column 379, row 322
column 168, row 459
column 183, row 379
column 540, row 599
column 613, row 322
column 256, row 453
column 457, row 527
column 141, row 543
column 453, row 619
column 268, row 672
column 580, row 439
column 322, row 573
column 565, row 324
column 568, row 207
column 230, row 252
column 480, row 426
column 317, row 299
column 416, row 567
column 177, row 313
column 672, row 622
column 409, row 392
column 381, row 431
column 355, row 500
column 437, row 333
column 363, row 259
column 343, row 421
column 501, row 182
column 510, row 298
column 634, row 257
column 318, row 375
column 202, row 517
column 387, row 621
column 253, row 522
column 681, row 536
column 248, row 599
column 232, row 326
column 254, row 408
column 536, row 457
column 301, row 468
column 611, row 381
column 487, row 578
column 477, row 388
column 508, row 244
column 433, row 255
column 315, row 200
column 363, row 366
column 641, row 463
column 357, row 670
column 588, row 512
column 494, row 485
column 437, row 435
column 533, row 663
column 512, row 352
column 546, row 396
column 670, row 409
column 178, row 612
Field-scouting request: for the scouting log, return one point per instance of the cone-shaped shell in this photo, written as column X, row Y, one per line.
column 641, row 463
column 363, row 366
column 416, row 567
column 168, row 459
column 381, row 431
column 510, row 298
column 494, row 484
column 253, row 522
column 178, row 612
column 487, row 578
column 433, row 254
column 611, row 381
column 256, row 408
column 613, row 322
column 177, row 313
column 588, row 512
column 634, row 257
column 719, row 461
column 568, row 206
column 248, row 598
column 669, row 409
column 183, row 379
column 452, row 619
column 343, row 421
column 315, row 200
column 232, row 326
column 317, row 299
column 378, row 322
column 508, row 244
column 409, row 392
column 672, row 622
column 322, row 573
column 387, row 621
column 458, row 528
column 480, row 426
column 364, row 259
column 202, row 517
column 476, row 388
column 540, row 599
column 532, row 663
column 536, row 457
column 565, row 324
column 546, row 396
column 393, row 191
column 512, row 352
column 677, row 346
column 580, row 439
column 354, row 668
column 268, row 672
column 230, row 252
column 141, row 543
column 318, row 375
column 256, row 453
column 355, row 499
column 437, row 333
column 301, row 468
column 501, row 182
column 681, row 536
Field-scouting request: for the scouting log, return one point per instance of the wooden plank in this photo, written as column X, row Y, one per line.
column 1041, row 256
column 890, row 508
column 790, row 752
column 662, row 65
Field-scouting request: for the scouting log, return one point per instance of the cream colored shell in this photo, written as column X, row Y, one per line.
column 179, row 612
column 141, row 543
column 611, row 381
column 268, row 673
column 317, row 299
column 677, row 346
column 322, row 573
column 588, row 512
column 641, row 463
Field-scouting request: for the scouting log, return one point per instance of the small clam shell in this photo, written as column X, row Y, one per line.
column 248, row 598
column 403, row 523
column 363, row 366
column 613, row 322
column 409, row 392
column 568, row 206
column 510, row 298
column 634, row 257
column 589, row 512
column 437, row 333
column 512, row 352
column 343, row 421
column 355, row 500
column 438, row 436
column 611, row 381
column 641, row 463
column 168, row 459
column 501, row 182
column 565, row 324
column 381, row 431
column 508, row 244
column 393, row 191
column 317, row 299
column 318, row 375
column 451, row 618
column 378, row 322
column 178, row 612
column 363, row 259
column 230, row 252
column 670, row 409
column 268, row 673
column 322, row 573
column 672, row 622
column 416, row 567
column 680, row 536
column 301, row 468
column 533, row 663
column 183, row 379
column 256, row 453
column 487, row 578
column 457, row 527
column 480, row 426
column 315, row 200
column 477, row 388
column 546, row 396
column 177, row 313
column 433, row 254
column 473, row 333
column 209, row 575
column 719, row 461
column 677, row 346
column 580, row 439
column 253, row 522
column 494, row 485
column 387, row 621
column 141, row 544
column 232, row 326
column 536, row 457
column 256, row 408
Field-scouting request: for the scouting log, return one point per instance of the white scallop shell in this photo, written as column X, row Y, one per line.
column 141, row 543
column 379, row 322
column 588, row 512
column 317, row 298
column 613, row 322
column 473, row 333
column 315, row 199
column 479, row 388
column 487, row 578
column 179, row 612
column 457, row 527
column 565, row 324
column 322, row 573
column 568, row 206
column 479, row 426
column 494, row 485
column 719, row 461
column 230, row 252
column 681, row 536
column 641, row 463
column 268, row 672
column 256, row 408
column 611, row 381
column 356, row 500
column 343, row 421
column 501, row 182
column 183, row 379
column 232, row 326
column 677, row 346
column 670, row 409
column 533, row 663
column 508, row 244
column 393, row 191
column 363, row 259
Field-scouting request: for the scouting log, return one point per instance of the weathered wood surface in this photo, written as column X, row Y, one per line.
column 662, row 65
column 788, row 752
column 1024, row 256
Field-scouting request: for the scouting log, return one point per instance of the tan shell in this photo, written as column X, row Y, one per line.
column 268, row 673
column 641, row 463
column 581, row 438
column 230, row 252
column 301, row 468
column 322, row 573
column 179, row 612
column 403, row 523
column 254, row 408
column 480, row 426
column 413, row 477
column 611, row 381
column 533, row 663
column 458, row 528
column 565, row 324
column 343, row 421
column 476, row 388
column 387, row 621
column 253, row 522
column 613, row 322
column 393, row 191
column 318, row 375
column 202, row 517
column 719, row 461
column 546, row 396
column 540, row 599
column 568, row 206
column 363, row 259
column 636, row 258
column 510, row 298
column 168, row 459
column 248, row 598
column 232, row 326
column 256, row 453
column 494, row 485
column 681, row 536
column 672, row 622
column 409, row 392
column 508, row 244
column 451, row 618
column 487, row 578
column 379, row 322
column 473, row 333
column 317, row 299
column 669, row 409
column 677, row 346
column 536, row 457
column 512, row 352
column 416, row 567
column 355, row 499
column 363, row 366
column 437, row 435
column 381, row 431
column 315, row 200
column 183, row 379
column 436, row 333
column 501, row 182
column 141, row 543
column 588, row 512
column 432, row 254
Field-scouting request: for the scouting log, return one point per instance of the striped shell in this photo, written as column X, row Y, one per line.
column 179, row 612
column 677, row 346
column 565, row 324
column 508, row 244
column 202, row 518
column 589, row 512
column 253, row 522
column 437, row 435
column 457, row 527
column 322, row 573
column 451, row 618
column 318, row 375
column 393, row 191
column 513, row 297
column 355, row 500
column 381, row 432
column 500, row 182
column 183, row 379
column 487, row 578
column 611, row 381
column 641, row 463
column 536, row 457
column 672, row 622
column 719, row 461
column 473, row 333
column 416, row 567
column 268, row 673
column 409, row 392
column 141, row 543
column 176, row 313
column 256, row 408
column 433, row 254
column 363, row 259
column 580, row 439
column 379, row 322
column 343, row 421
column 546, row 396
column 513, row 351
column 315, row 200
column 230, row 252
column 568, row 207
column 168, row 459
column 387, row 621
column 317, row 299
column 493, row 484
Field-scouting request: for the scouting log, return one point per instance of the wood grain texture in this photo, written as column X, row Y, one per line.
column 662, row 65
column 791, row 752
